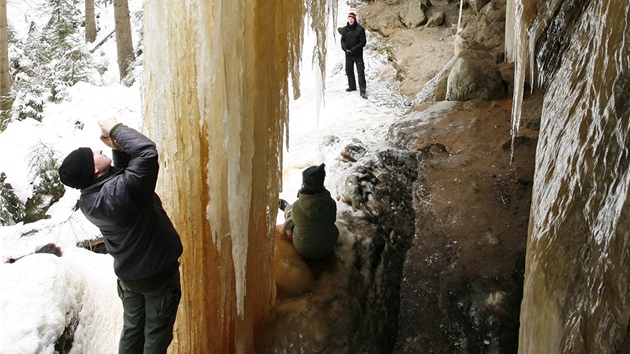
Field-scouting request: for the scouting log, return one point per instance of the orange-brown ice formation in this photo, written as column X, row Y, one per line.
column 215, row 96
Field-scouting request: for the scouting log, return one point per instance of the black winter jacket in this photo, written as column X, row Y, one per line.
column 353, row 38
column 123, row 205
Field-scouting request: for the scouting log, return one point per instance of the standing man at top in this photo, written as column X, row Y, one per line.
column 352, row 42
column 120, row 200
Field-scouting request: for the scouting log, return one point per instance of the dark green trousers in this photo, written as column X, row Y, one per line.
column 149, row 317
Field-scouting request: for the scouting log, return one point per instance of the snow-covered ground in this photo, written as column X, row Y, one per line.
column 42, row 293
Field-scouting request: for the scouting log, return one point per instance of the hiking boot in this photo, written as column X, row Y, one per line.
column 350, row 89
column 364, row 95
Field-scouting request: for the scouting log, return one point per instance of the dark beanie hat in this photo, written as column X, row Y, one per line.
column 313, row 178
column 352, row 15
column 77, row 169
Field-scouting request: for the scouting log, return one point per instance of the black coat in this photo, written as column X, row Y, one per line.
column 353, row 38
column 123, row 205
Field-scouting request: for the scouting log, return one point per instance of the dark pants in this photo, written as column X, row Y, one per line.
column 149, row 317
column 351, row 60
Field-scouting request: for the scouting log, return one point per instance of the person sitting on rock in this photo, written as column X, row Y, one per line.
column 310, row 221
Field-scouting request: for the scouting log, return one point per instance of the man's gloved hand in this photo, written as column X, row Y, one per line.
column 349, row 52
column 107, row 125
column 111, row 143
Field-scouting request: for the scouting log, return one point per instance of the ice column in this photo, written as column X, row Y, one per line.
column 215, row 99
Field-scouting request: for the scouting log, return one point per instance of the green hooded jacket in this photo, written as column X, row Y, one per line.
column 315, row 233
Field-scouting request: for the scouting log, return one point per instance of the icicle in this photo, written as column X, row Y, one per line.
column 525, row 11
column 520, row 55
column 510, row 41
column 459, row 18
column 530, row 20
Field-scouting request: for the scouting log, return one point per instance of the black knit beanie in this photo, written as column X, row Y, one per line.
column 77, row 169
column 313, row 178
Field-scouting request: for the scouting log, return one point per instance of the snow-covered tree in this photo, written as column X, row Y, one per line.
column 11, row 207
column 70, row 62
column 50, row 60
column 47, row 188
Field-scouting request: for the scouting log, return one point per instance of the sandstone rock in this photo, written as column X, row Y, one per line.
column 412, row 14
column 436, row 89
column 491, row 29
column 438, row 149
column 474, row 74
column 463, row 41
column 292, row 274
column 477, row 5
column 436, row 20
column 378, row 19
column 354, row 151
column 492, row 15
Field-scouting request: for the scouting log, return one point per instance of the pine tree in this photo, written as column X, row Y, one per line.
column 124, row 43
column 90, row 21
column 71, row 57
column 11, row 207
column 47, row 189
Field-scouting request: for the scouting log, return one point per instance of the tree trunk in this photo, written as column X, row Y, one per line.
column 90, row 22
column 124, row 43
column 5, row 77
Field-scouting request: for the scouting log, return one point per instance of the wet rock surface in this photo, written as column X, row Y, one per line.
column 463, row 275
